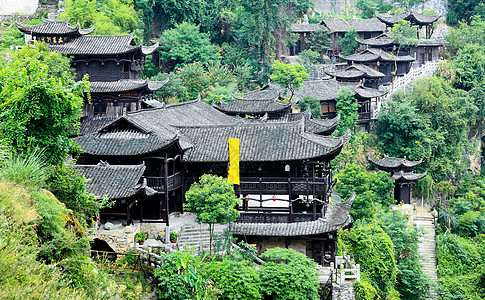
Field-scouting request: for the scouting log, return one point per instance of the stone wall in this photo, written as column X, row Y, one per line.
column 121, row 238
column 343, row 291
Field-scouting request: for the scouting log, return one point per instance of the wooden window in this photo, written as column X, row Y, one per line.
column 125, row 67
column 367, row 35
column 328, row 107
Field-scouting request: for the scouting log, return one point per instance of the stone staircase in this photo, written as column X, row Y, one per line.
column 197, row 237
column 426, row 248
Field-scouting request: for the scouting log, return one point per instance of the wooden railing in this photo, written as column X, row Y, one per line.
column 253, row 217
column 158, row 183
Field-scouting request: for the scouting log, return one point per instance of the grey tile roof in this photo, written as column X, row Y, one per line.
column 318, row 126
column 373, row 54
column 125, row 85
column 337, row 217
column 93, row 125
column 98, row 45
column 411, row 176
column 357, row 71
column 260, row 142
column 368, row 93
column 305, row 27
column 54, row 28
column 360, row 25
column 122, row 143
column 393, row 162
column 382, row 40
column 244, row 106
column 408, row 16
column 322, row 90
column 265, row 93
column 115, row 182
column 433, row 42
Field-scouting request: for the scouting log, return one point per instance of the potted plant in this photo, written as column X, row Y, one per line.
column 140, row 237
column 173, row 237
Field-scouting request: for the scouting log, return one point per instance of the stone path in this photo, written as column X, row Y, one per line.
column 426, row 248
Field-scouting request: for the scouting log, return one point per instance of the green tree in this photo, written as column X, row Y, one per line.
column 288, row 275
column 108, row 17
column 459, row 10
column 186, row 44
column 38, row 106
column 213, row 201
column 368, row 8
column 372, row 190
column 309, row 59
column 466, row 33
column 320, row 42
column 347, row 107
column 308, row 102
column 289, row 76
column 469, row 66
column 348, row 42
column 373, row 249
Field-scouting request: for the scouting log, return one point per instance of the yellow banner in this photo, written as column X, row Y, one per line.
column 233, row 170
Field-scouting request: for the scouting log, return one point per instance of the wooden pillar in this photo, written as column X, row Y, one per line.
column 167, row 207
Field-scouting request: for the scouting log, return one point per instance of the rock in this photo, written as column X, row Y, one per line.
column 108, row 226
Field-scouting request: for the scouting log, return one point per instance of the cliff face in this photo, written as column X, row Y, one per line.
column 22, row 7
column 334, row 6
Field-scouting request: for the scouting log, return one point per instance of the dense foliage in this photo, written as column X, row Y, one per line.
column 347, row 107
column 348, row 42
column 289, row 76
column 308, row 102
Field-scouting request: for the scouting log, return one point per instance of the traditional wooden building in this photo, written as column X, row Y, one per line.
column 112, row 62
column 402, row 174
column 256, row 107
column 414, row 18
column 365, row 28
column 304, row 32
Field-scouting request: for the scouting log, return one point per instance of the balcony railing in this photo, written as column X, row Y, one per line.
column 252, row 217
column 158, row 183
column 278, row 185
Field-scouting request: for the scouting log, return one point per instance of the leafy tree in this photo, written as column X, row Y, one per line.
column 186, row 44
column 348, row 42
column 108, row 17
column 347, row 107
column 213, row 201
column 466, row 33
column 308, row 102
column 320, row 42
column 373, row 249
column 309, row 59
column 38, row 106
column 459, row 10
column 289, row 76
column 368, row 8
column 469, row 66
column 372, row 190
column 287, row 274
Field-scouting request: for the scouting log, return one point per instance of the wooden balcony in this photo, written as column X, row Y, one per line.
column 276, row 217
column 158, row 183
column 364, row 117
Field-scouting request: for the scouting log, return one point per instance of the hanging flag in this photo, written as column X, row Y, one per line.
column 233, row 170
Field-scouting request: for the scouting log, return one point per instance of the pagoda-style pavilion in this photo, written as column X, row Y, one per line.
column 401, row 173
column 414, row 18
column 255, row 107
column 378, row 59
column 359, row 73
column 113, row 63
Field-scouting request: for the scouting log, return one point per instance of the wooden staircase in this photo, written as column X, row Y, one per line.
column 427, row 248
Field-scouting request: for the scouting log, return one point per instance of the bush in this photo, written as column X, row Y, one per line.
column 288, row 274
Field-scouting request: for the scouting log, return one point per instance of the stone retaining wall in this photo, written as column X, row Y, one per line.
column 343, row 291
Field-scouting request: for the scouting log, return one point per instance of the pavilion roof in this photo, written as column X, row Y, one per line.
column 125, row 85
column 393, row 162
column 102, row 45
column 93, row 125
column 336, row 217
column 245, row 106
column 410, row 176
column 357, row 71
column 374, row 54
column 260, row 142
column 411, row 16
column 367, row 92
column 113, row 181
column 360, row 25
column 382, row 40
column 318, row 126
column 305, row 27
column 54, row 28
